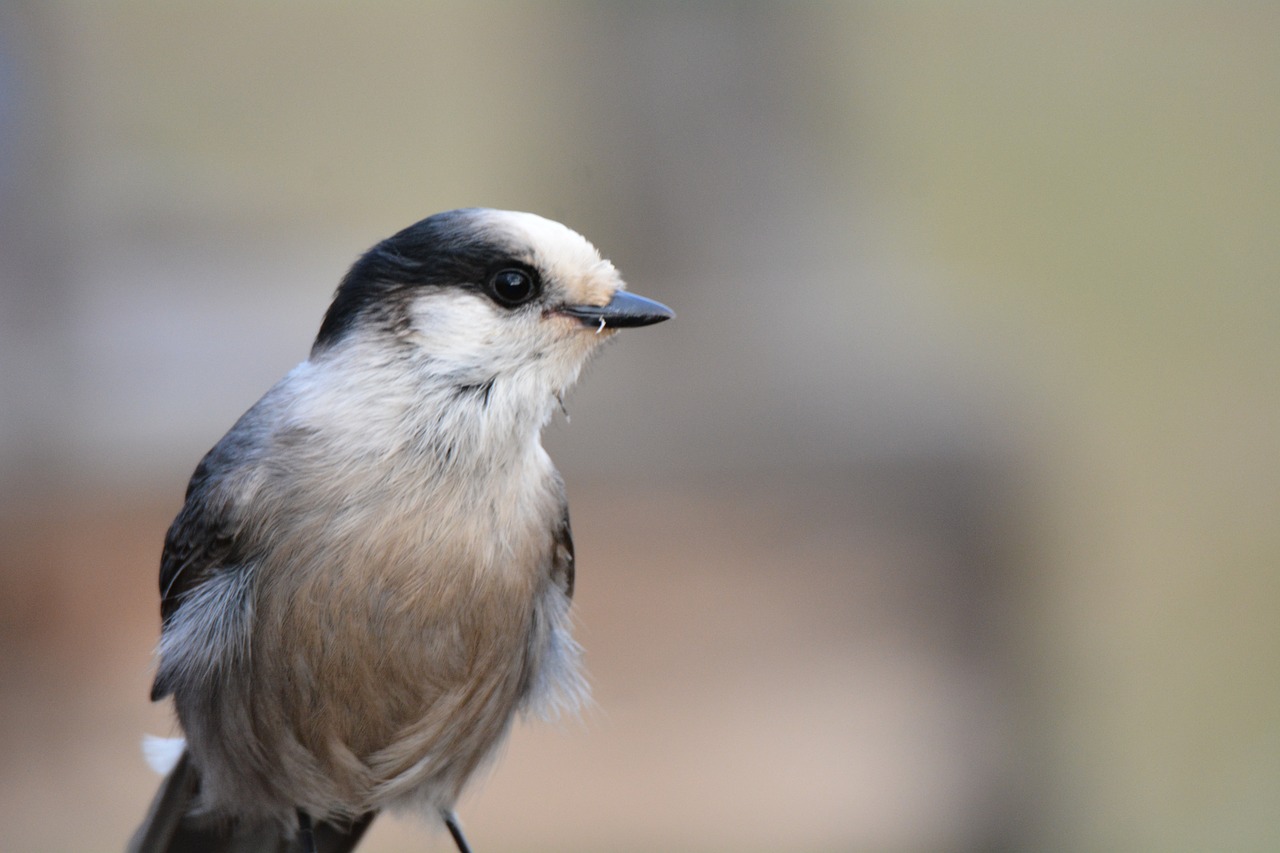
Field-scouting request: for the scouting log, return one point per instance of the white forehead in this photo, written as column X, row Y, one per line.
column 560, row 252
column 555, row 242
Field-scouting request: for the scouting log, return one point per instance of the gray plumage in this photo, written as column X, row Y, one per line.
column 372, row 570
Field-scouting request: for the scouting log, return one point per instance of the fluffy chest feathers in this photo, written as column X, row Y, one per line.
column 420, row 460
column 408, row 596
column 431, row 532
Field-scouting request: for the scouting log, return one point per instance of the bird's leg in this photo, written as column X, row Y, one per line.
column 455, row 829
column 306, row 836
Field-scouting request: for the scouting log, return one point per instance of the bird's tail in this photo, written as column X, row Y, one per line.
column 168, row 829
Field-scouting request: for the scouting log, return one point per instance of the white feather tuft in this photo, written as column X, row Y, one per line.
column 162, row 753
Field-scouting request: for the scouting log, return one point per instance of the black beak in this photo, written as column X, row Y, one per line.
column 626, row 309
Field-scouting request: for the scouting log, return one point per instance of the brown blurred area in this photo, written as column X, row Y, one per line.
column 942, row 518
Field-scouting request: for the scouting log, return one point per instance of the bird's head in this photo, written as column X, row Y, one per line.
column 475, row 297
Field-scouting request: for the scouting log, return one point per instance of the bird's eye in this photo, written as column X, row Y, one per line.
column 512, row 287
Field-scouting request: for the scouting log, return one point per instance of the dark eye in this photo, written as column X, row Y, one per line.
column 512, row 287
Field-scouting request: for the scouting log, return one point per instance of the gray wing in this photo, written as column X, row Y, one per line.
column 207, row 536
column 198, row 542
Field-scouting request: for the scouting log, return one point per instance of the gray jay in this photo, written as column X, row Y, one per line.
column 372, row 570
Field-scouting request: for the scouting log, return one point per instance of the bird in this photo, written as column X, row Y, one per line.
column 371, row 574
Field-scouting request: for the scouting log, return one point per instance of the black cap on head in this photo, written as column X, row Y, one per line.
column 451, row 249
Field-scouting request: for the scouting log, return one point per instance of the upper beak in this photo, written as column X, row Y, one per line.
column 625, row 309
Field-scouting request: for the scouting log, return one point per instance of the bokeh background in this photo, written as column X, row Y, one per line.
column 943, row 518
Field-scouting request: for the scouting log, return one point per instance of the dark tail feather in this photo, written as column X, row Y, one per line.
column 167, row 830
column 341, row 837
column 160, row 826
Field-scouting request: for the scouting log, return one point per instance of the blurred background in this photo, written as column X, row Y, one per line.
column 943, row 518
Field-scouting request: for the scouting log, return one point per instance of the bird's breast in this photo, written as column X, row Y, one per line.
column 405, row 619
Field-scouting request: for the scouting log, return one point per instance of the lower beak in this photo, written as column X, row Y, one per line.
column 624, row 310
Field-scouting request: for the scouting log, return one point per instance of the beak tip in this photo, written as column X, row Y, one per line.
column 625, row 310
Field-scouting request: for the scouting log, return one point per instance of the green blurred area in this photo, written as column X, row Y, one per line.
column 1075, row 207
column 1102, row 187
